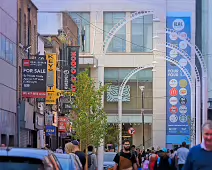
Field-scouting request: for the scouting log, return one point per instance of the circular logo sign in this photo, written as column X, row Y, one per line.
column 183, row 118
column 183, row 45
column 173, row 53
column 173, row 110
column 173, row 118
column 183, row 100
column 183, row 83
column 178, row 24
column 173, row 101
column 131, row 131
column 173, row 92
column 183, row 92
column 183, row 62
column 183, row 109
column 183, row 35
column 173, row 36
column 173, row 83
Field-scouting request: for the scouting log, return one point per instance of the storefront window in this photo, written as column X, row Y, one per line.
column 131, row 95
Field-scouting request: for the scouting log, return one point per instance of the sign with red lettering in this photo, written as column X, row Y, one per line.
column 73, row 62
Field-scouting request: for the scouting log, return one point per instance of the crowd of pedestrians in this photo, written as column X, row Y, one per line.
column 197, row 158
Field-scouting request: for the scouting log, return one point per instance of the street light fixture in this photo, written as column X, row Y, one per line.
column 142, row 113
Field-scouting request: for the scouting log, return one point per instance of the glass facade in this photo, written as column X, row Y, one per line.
column 142, row 34
column 118, row 43
column 7, row 50
column 82, row 19
column 132, row 93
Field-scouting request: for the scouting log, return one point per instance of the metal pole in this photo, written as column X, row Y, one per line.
column 198, row 117
column 120, row 120
column 142, row 112
column 29, row 31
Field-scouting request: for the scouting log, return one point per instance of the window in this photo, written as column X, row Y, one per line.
column 82, row 19
column 142, row 31
column 3, row 46
column 118, row 43
column 20, row 26
column 131, row 94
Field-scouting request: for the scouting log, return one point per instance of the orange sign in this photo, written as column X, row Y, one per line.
column 173, row 92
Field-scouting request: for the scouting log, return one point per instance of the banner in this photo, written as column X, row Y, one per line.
column 51, row 78
column 34, row 73
column 178, row 89
column 70, row 76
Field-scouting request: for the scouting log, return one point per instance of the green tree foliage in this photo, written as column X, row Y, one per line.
column 89, row 118
column 112, row 136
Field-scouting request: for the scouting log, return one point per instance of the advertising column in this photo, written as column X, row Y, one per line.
column 178, row 101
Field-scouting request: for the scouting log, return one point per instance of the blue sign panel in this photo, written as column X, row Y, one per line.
column 178, row 92
column 51, row 131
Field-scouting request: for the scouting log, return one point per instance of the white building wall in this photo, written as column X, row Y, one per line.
column 160, row 8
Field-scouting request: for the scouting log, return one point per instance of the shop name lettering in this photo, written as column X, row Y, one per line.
column 73, row 70
column 34, row 71
column 50, row 130
column 50, row 63
column 66, row 79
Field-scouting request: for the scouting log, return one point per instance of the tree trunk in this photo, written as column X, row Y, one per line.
column 86, row 154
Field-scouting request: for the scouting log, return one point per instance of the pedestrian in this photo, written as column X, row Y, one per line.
column 182, row 154
column 92, row 159
column 125, row 159
column 146, row 163
column 153, row 160
column 69, row 148
column 79, row 153
column 3, row 145
column 163, row 160
column 59, row 150
column 200, row 156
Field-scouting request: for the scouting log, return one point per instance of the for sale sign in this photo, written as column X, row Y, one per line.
column 34, row 78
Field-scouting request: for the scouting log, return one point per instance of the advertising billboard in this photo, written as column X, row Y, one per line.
column 178, row 92
column 51, row 131
column 34, row 74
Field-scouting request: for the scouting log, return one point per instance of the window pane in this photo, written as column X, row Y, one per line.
column 11, row 53
column 148, row 31
column 142, row 29
column 82, row 19
column 111, row 74
column 3, row 46
column 7, row 50
column 118, row 43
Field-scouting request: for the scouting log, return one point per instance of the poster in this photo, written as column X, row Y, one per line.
column 178, row 101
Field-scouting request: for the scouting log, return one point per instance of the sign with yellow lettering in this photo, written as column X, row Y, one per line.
column 51, row 97
column 51, row 71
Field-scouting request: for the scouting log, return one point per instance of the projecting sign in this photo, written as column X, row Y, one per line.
column 34, row 78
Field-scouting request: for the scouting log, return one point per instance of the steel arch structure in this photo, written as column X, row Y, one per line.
column 137, row 14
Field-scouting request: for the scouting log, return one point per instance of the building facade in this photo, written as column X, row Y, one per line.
column 8, row 76
column 28, row 109
column 132, row 46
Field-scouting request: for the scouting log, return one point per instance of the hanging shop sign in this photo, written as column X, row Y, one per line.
column 34, row 73
column 62, row 124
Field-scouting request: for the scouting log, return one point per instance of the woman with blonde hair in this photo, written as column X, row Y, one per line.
column 69, row 148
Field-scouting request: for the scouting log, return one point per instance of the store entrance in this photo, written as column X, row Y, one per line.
column 125, row 134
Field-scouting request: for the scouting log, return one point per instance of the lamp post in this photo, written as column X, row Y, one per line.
column 142, row 113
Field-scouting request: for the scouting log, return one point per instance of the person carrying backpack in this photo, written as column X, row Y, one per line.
column 125, row 160
column 92, row 159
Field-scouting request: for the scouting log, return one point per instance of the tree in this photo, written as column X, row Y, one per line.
column 89, row 118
